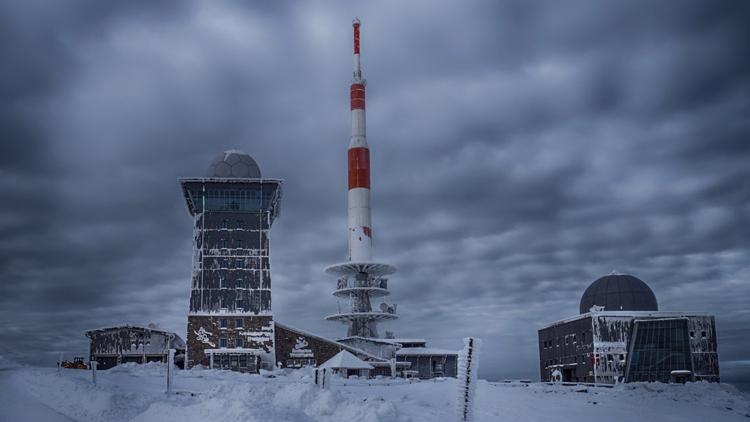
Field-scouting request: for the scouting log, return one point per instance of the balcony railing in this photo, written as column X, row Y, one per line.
column 380, row 283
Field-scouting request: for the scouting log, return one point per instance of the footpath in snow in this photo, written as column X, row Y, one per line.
column 136, row 393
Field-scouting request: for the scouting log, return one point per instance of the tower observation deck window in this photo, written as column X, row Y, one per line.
column 254, row 199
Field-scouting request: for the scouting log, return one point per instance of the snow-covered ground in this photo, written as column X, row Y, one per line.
column 136, row 393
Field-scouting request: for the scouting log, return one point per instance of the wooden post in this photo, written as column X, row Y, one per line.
column 468, row 365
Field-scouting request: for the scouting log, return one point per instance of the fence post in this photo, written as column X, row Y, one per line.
column 468, row 364
column 170, row 370
column 393, row 368
column 93, row 364
column 59, row 364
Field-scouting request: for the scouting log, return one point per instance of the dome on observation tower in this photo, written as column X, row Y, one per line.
column 234, row 164
column 619, row 292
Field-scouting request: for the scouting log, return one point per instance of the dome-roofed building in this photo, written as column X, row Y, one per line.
column 230, row 323
column 234, row 164
column 620, row 335
column 619, row 292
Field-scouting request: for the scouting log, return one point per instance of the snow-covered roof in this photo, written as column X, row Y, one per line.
column 408, row 340
column 234, row 350
column 374, row 340
column 424, row 351
column 345, row 360
column 344, row 346
column 131, row 327
column 632, row 314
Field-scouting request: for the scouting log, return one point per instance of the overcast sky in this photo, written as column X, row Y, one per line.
column 520, row 150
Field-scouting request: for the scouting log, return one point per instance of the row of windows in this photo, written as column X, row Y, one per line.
column 226, row 224
column 256, row 263
column 235, row 361
column 237, row 200
column 582, row 359
column 238, row 323
column 567, row 339
column 225, row 244
column 300, row 363
column 238, row 342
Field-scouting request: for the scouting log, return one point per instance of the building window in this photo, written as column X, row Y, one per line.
column 703, row 334
column 224, row 244
column 240, row 224
column 583, row 336
column 223, row 343
column 223, row 323
column 692, row 334
column 225, row 224
column 622, row 357
column 239, row 323
column 573, row 337
column 239, row 263
column 238, row 243
column 240, row 342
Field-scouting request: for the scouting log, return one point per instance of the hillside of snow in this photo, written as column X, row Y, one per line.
column 137, row 393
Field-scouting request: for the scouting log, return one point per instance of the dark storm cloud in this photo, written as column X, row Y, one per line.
column 520, row 150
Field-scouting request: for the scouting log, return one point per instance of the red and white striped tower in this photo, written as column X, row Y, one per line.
column 360, row 279
column 360, row 223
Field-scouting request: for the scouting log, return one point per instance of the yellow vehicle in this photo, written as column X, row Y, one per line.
column 77, row 363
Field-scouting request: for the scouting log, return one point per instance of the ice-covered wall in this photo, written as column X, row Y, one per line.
column 704, row 347
column 132, row 341
column 611, row 334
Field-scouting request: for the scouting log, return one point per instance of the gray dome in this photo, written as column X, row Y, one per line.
column 619, row 293
column 234, row 164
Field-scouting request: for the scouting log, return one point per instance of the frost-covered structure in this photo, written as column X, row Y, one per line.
column 111, row 346
column 361, row 281
column 620, row 335
column 230, row 323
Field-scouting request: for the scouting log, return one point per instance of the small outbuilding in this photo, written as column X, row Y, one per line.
column 112, row 346
column 347, row 364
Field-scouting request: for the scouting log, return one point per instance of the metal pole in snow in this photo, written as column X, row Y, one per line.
column 93, row 371
column 170, row 370
column 59, row 364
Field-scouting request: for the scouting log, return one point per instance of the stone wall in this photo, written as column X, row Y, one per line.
column 205, row 332
column 296, row 348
